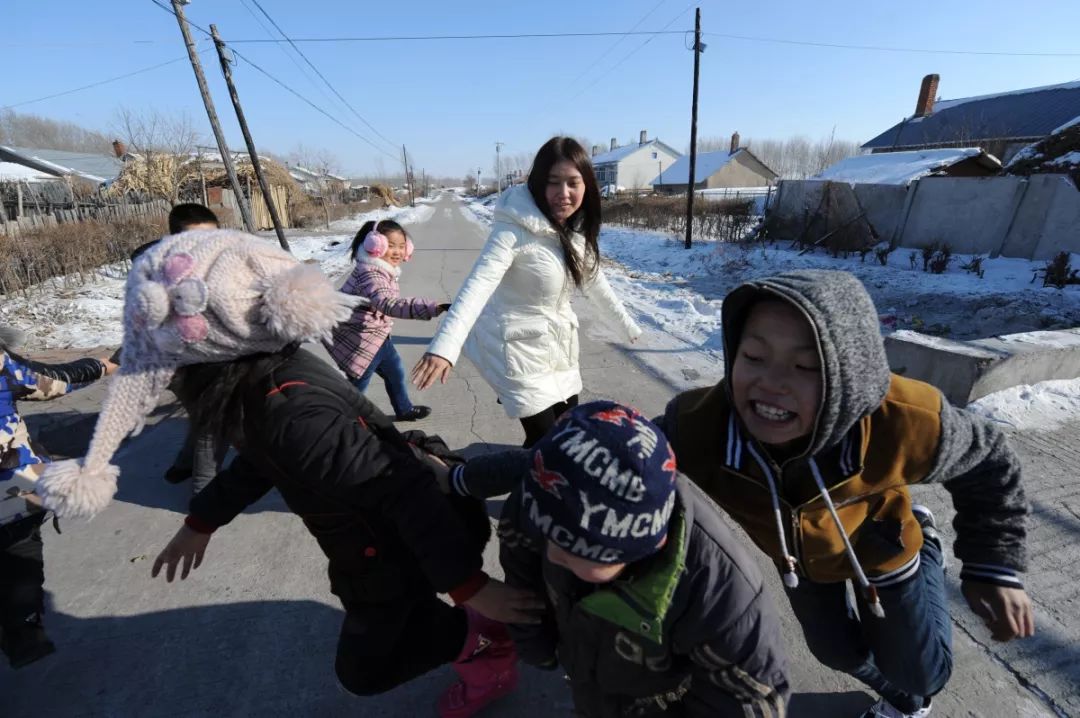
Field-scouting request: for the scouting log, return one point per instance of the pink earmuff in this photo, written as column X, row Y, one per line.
column 408, row 249
column 376, row 243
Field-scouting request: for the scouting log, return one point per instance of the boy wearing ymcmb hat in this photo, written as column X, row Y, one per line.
column 653, row 608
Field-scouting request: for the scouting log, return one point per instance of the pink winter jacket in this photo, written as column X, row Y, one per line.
column 356, row 341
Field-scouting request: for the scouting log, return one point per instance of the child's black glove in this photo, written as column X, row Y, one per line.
column 442, row 308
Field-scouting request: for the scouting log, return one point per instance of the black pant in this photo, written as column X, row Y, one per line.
column 538, row 424
column 22, row 571
column 383, row 645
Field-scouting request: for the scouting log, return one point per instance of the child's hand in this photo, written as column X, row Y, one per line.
column 110, row 365
column 187, row 546
column 1005, row 611
column 505, row 604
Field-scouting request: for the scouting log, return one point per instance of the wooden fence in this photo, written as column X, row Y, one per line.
column 151, row 210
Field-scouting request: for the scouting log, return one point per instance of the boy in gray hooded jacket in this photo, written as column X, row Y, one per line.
column 810, row 444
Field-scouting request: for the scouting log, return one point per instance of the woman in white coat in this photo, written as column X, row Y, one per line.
column 512, row 315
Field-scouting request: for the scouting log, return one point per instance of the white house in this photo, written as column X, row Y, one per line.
column 632, row 167
column 737, row 167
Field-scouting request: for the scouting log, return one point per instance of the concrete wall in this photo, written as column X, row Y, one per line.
column 1027, row 217
column 971, row 214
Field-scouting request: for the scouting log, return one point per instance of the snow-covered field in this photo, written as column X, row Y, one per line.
column 678, row 294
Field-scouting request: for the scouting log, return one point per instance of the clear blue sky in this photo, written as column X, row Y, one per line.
column 450, row 100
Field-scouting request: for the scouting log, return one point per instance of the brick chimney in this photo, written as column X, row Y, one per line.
column 642, row 138
column 614, row 144
column 595, row 150
column 927, row 93
column 119, row 148
column 734, row 142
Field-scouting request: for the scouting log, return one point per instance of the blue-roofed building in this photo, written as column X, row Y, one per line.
column 735, row 167
column 79, row 166
column 631, row 167
column 1001, row 124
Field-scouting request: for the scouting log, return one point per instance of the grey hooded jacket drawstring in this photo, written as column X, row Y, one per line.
column 791, row 578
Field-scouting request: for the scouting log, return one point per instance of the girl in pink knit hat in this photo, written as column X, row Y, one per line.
column 362, row 346
column 221, row 315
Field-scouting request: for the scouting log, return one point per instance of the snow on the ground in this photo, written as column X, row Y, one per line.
column 1046, row 405
column 61, row 314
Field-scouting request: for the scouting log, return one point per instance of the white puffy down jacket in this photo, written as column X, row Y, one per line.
column 512, row 315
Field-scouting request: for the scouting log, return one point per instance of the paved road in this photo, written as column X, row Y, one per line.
column 253, row 631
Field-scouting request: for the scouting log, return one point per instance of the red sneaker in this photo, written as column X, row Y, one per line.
column 487, row 667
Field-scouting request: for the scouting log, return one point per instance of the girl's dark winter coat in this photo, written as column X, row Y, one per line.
column 357, row 483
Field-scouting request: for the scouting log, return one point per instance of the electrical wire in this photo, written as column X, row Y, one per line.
column 323, row 77
column 881, row 48
column 627, row 56
column 615, row 44
column 99, row 83
column 284, row 86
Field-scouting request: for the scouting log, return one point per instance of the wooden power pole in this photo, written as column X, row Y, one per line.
column 693, row 132
column 408, row 176
column 211, row 113
column 226, row 70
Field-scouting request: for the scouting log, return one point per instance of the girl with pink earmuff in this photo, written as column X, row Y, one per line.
column 362, row 346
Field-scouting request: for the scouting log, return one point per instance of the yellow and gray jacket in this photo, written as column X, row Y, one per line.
column 842, row 509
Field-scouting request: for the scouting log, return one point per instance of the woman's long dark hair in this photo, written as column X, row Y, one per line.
column 384, row 225
column 212, row 393
column 587, row 218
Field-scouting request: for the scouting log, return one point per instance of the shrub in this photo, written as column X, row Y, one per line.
column 1058, row 272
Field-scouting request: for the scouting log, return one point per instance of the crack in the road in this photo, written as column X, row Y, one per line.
column 1045, row 698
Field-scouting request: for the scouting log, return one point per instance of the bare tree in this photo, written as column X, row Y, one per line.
column 316, row 159
column 163, row 148
column 24, row 130
column 795, row 157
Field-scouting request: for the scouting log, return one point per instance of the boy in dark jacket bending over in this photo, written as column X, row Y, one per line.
column 654, row 609
column 810, row 444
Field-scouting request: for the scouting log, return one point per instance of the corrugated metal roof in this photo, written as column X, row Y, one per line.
column 1033, row 112
column 620, row 153
column 14, row 172
column 96, row 168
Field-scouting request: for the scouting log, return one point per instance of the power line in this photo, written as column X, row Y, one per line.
column 284, row 86
column 496, row 36
column 321, row 76
column 628, row 55
column 881, row 48
column 615, row 44
column 314, row 106
column 99, row 83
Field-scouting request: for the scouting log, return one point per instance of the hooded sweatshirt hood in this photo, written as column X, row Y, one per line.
column 855, row 371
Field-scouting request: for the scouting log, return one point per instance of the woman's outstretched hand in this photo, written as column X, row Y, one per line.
column 428, row 369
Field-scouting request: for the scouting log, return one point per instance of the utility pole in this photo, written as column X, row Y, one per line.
column 408, row 177
column 498, row 167
column 208, row 102
column 698, row 48
column 226, row 70
column 477, row 183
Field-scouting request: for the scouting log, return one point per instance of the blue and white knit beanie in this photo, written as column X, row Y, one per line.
column 195, row 297
column 602, row 485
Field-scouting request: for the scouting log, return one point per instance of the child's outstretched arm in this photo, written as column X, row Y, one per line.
column 980, row 470
column 37, row 381
column 385, row 298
